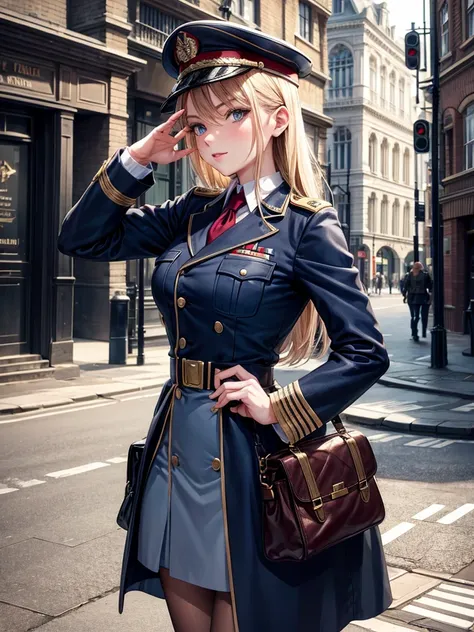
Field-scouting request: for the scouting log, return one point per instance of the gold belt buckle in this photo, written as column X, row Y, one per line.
column 193, row 373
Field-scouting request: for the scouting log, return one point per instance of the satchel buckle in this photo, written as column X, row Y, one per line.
column 338, row 490
column 317, row 503
column 363, row 485
column 193, row 373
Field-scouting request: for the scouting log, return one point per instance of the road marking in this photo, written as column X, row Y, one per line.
column 428, row 512
column 377, row 625
column 389, row 438
column 456, row 514
column 442, row 444
column 117, row 459
column 396, row 532
column 7, row 490
column 77, row 470
column 447, row 607
column 376, row 437
column 438, row 616
column 67, row 408
column 31, row 483
column 128, row 399
column 453, row 597
column 422, row 443
column 465, row 408
column 423, row 358
column 457, row 589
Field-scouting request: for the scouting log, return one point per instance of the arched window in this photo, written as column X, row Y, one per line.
column 373, row 79
column 406, row 166
column 396, row 217
column 384, row 215
column 342, row 148
column 406, row 220
column 384, row 158
column 396, row 163
column 383, row 86
column 469, row 137
column 341, row 69
column 401, row 96
column 373, row 153
column 371, row 213
column 392, row 90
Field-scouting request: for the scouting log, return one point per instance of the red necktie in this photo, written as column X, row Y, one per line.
column 227, row 218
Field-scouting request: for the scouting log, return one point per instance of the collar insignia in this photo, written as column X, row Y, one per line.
column 187, row 47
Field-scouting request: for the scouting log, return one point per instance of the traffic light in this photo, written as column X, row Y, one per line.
column 412, row 50
column 421, row 136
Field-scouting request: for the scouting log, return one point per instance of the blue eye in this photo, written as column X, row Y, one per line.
column 199, row 129
column 238, row 115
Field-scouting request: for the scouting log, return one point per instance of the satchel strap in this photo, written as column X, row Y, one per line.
column 313, row 489
column 356, row 457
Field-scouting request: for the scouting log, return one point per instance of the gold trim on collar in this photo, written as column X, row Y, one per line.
column 280, row 210
column 310, row 204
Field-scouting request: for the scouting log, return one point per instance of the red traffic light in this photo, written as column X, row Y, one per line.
column 421, row 136
column 421, row 130
column 412, row 52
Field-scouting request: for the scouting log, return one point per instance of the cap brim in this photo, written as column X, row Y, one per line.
column 199, row 78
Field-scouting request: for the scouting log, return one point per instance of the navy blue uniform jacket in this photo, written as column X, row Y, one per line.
column 310, row 262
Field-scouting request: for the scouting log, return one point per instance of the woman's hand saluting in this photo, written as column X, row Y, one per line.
column 253, row 401
column 159, row 145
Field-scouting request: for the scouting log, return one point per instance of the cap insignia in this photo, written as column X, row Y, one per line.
column 187, row 47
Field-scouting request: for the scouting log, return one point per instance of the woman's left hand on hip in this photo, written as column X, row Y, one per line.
column 255, row 403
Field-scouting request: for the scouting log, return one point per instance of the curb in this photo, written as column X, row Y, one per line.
column 413, row 386
column 403, row 423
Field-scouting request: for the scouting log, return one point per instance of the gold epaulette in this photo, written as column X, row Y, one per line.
column 310, row 204
column 206, row 192
column 109, row 189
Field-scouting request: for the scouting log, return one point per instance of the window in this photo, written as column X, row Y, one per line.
column 338, row 6
column 401, row 96
column 340, row 203
column 373, row 153
column 396, row 163
column 469, row 137
column 373, row 79
column 470, row 18
column 371, row 213
column 383, row 86
column 305, row 21
column 246, row 9
column 444, row 24
column 341, row 68
column 342, row 148
column 392, row 91
column 406, row 220
column 384, row 215
column 406, row 166
column 384, row 158
column 396, row 218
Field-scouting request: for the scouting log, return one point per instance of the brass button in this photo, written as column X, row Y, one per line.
column 175, row 460
column 178, row 393
column 218, row 327
column 182, row 343
column 181, row 301
column 216, row 464
column 214, row 409
column 243, row 272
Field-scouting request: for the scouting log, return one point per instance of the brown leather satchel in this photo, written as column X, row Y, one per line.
column 318, row 492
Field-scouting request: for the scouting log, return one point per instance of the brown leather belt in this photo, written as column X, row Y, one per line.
column 200, row 374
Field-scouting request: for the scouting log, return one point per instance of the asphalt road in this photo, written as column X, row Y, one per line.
column 60, row 550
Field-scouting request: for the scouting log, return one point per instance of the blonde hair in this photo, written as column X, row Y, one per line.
column 293, row 158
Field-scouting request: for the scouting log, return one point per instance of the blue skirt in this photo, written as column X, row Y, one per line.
column 181, row 524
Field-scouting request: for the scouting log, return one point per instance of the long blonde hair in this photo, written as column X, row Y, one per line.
column 293, row 158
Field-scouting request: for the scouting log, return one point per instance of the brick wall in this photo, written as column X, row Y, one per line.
column 53, row 11
column 454, row 271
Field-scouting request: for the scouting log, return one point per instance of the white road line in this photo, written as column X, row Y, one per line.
column 452, row 597
column 456, row 514
column 465, row 408
column 377, row 625
column 426, row 513
column 376, row 437
column 31, row 483
column 447, row 607
column 389, row 438
column 49, row 412
column 7, row 490
column 396, row 532
column 457, row 589
column 117, row 459
column 438, row 616
column 77, row 470
column 443, row 444
column 422, row 443
column 128, row 399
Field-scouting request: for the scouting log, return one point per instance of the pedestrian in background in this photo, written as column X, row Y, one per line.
column 390, row 283
column 378, row 283
column 417, row 292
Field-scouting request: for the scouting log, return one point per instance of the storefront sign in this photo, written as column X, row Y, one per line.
column 18, row 74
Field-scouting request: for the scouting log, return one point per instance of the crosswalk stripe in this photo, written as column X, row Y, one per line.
column 32, row 483
column 422, row 443
column 389, row 438
column 439, row 616
column 375, row 437
column 396, row 532
column 77, row 470
column 448, row 607
column 443, row 444
column 452, row 597
column 457, row 589
column 456, row 514
column 7, row 490
column 117, row 459
column 377, row 625
column 429, row 511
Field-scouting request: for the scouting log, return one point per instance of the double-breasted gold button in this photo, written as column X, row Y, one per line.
column 175, row 460
column 214, row 409
column 181, row 302
column 243, row 272
column 218, row 327
column 182, row 343
column 216, row 464
column 178, row 393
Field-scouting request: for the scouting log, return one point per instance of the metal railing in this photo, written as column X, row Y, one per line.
column 149, row 35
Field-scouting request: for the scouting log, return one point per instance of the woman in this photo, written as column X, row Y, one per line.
column 242, row 266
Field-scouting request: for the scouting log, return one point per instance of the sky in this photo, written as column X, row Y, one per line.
column 404, row 12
